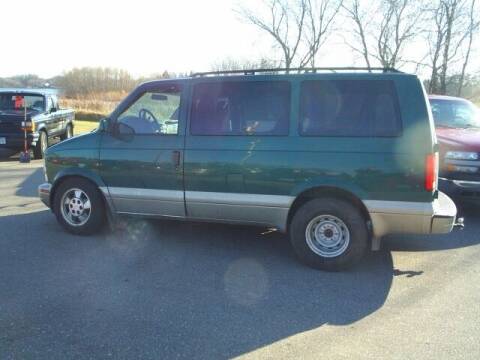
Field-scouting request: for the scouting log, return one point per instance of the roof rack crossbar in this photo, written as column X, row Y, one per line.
column 295, row 70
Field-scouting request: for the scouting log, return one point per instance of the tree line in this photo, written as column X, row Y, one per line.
column 379, row 31
column 84, row 82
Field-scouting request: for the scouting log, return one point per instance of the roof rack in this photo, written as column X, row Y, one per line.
column 295, row 70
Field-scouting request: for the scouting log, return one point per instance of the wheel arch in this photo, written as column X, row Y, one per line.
column 328, row 191
column 42, row 127
column 66, row 174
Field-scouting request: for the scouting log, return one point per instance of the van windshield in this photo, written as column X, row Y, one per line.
column 455, row 113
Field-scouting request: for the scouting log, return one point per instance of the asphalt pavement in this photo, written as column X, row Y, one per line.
column 168, row 290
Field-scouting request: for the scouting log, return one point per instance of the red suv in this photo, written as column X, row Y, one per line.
column 457, row 123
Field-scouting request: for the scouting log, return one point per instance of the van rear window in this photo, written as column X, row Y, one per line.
column 241, row 108
column 349, row 108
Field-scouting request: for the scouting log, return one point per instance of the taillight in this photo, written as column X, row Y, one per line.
column 431, row 172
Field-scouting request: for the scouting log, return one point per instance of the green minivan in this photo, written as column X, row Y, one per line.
column 337, row 158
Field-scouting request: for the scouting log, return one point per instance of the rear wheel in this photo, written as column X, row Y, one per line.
column 42, row 145
column 68, row 133
column 329, row 234
column 79, row 207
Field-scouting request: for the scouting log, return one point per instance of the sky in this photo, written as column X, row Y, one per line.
column 142, row 36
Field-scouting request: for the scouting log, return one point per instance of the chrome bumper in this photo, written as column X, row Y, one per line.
column 444, row 215
column 467, row 184
column 403, row 217
column 44, row 193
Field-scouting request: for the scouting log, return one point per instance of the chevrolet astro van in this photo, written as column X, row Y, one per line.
column 336, row 157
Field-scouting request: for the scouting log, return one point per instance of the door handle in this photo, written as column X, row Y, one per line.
column 176, row 159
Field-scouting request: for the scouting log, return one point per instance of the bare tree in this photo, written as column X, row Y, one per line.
column 398, row 27
column 282, row 18
column 451, row 11
column 384, row 35
column 320, row 17
column 473, row 27
column 298, row 27
column 455, row 24
column 355, row 13
column 436, row 42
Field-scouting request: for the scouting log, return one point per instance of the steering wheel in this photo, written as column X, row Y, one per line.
column 147, row 115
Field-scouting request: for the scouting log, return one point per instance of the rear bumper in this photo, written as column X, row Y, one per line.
column 444, row 216
column 402, row 217
column 44, row 193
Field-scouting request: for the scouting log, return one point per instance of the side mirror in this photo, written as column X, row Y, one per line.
column 53, row 109
column 123, row 131
column 103, row 125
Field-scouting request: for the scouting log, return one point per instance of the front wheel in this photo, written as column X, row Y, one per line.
column 68, row 133
column 79, row 207
column 42, row 145
column 329, row 234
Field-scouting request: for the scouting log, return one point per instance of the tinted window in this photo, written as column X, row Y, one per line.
column 454, row 113
column 349, row 108
column 241, row 108
column 154, row 112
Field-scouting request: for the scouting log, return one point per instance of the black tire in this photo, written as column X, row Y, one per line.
column 68, row 133
column 42, row 145
column 96, row 216
column 324, row 210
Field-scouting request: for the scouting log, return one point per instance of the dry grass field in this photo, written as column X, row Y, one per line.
column 82, row 126
column 93, row 106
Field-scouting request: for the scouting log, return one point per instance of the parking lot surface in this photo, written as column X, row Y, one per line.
column 171, row 290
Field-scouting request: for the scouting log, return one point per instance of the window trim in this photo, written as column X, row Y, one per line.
column 289, row 120
column 55, row 102
column 397, row 107
column 49, row 104
column 139, row 94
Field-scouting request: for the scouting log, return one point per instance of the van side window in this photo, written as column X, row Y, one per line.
column 349, row 108
column 154, row 112
column 241, row 108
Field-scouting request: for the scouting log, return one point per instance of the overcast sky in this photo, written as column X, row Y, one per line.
column 141, row 36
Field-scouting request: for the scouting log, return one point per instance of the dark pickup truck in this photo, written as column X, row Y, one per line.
column 45, row 120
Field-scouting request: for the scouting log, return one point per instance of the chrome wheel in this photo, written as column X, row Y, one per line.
column 327, row 236
column 44, row 142
column 75, row 207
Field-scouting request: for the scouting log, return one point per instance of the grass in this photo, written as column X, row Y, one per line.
column 94, row 106
column 84, row 126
